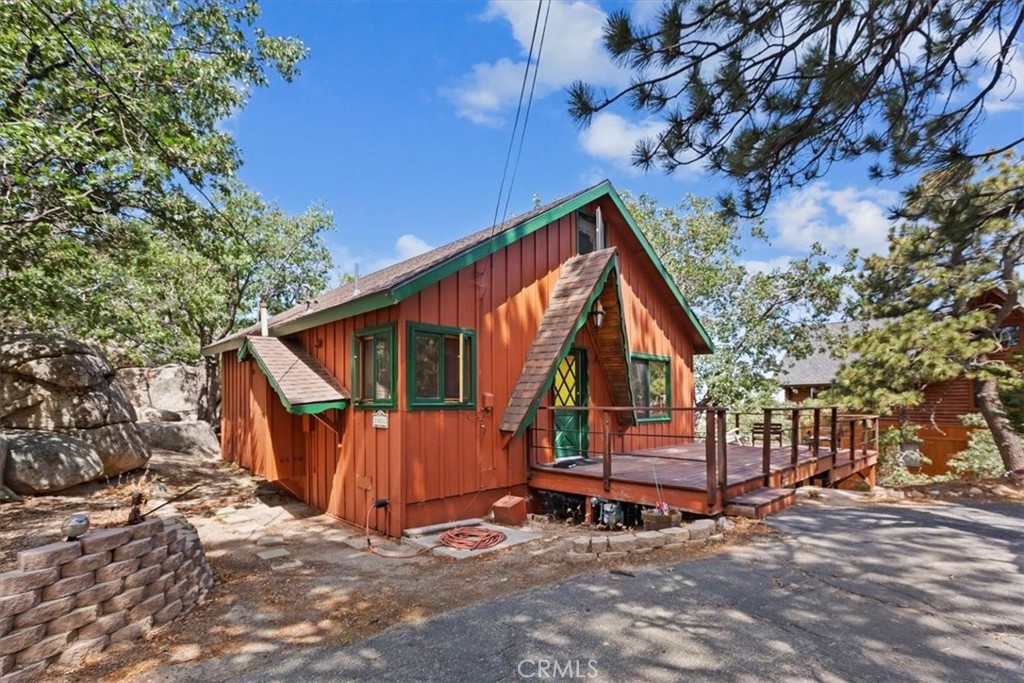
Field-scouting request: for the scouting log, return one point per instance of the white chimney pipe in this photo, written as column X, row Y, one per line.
column 263, row 319
column 600, row 228
column 355, row 290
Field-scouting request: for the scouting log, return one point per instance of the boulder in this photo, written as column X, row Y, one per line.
column 119, row 446
column 17, row 349
column 6, row 494
column 173, row 388
column 147, row 414
column 185, row 437
column 44, row 462
column 29, row 403
column 72, row 370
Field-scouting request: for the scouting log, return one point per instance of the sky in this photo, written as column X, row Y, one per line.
column 401, row 118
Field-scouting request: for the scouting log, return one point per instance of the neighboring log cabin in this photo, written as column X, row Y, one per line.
column 420, row 384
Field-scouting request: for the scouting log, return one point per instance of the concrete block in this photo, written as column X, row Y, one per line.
column 25, row 674
column 74, row 619
column 641, row 551
column 44, row 612
column 6, row 626
column 143, row 577
column 651, row 539
column 117, row 570
column 86, row 564
column 598, row 544
column 132, row 631
column 133, row 549
column 6, row 664
column 104, row 625
column 173, row 561
column 184, row 570
column 70, row 586
column 280, row 566
column 189, row 597
column 581, row 557
column 676, row 534
column 164, row 538
column 46, row 556
column 147, row 607
column 176, row 591
column 154, row 557
column 99, row 593
column 171, row 610
column 104, row 539
column 673, row 546
column 613, row 555
column 581, row 544
column 76, row 652
column 163, row 582
column 700, row 529
column 22, row 638
column 12, row 583
column 176, row 546
column 44, row 649
column 622, row 543
column 270, row 540
column 125, row 600
column 18, row 603
column 147, row 529
column 272, row 554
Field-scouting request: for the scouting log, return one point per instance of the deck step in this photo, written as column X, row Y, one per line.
column 760, row 503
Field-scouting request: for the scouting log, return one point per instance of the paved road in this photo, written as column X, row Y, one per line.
column 881, row 593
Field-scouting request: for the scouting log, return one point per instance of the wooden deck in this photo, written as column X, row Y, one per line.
column 682, row 473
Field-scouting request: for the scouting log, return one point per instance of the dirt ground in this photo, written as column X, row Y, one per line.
column 341, row 593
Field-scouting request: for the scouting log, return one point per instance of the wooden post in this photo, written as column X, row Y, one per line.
column 815, row 439
column 766, row 447
column 864, row 437
column 794, row 440
column 710, row 455
column 834, row 450
column 723, row 449
column 588, row 511
column 853, row 440
column 607, row 465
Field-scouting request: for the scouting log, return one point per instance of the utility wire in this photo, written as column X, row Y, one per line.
column 529, row 105
column 519, row 109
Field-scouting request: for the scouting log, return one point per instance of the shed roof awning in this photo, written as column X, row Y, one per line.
column 304, row 386
column 583, row 280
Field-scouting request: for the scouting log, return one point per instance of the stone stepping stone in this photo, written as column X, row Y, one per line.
column 273, row 554
column 270, row 540
column 291, row 564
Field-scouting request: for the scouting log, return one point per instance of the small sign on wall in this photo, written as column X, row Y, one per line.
column 380, row 419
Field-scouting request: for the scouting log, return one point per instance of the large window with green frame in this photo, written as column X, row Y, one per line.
column 373, row 367
column 441, row 366
column 651, row 378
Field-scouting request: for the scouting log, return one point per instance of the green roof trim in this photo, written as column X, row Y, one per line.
column 531, row 414
column 297, row 409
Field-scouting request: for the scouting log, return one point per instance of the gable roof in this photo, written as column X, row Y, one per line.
column 390, row 285
column 820, row 367
column 583, row 280
column 304, row 386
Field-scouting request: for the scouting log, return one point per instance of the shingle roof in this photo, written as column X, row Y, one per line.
column 821, row 366
column 302, row 383
column 582, row 280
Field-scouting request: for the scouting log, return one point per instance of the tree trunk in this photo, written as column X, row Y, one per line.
column 986, row 397
column 208, row 408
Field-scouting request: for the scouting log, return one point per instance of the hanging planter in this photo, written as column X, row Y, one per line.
column 655, row 519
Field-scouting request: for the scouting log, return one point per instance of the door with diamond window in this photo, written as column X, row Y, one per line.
column 570, row 390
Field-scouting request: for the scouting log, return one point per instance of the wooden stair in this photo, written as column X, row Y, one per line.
column 760, row 503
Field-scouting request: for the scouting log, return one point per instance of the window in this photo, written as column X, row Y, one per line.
column 1009, row 335
column 441, row 367
column 652, row 386
column 373, row 367
column 586, row 233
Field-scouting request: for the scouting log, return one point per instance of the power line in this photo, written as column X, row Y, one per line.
column 519, row 109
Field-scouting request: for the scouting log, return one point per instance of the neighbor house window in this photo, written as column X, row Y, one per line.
column 441, row 367
column 652, row 386
column 586, row 233
column 373, row 367
column 1009, row 335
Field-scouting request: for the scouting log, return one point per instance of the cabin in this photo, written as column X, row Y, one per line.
column 937, row 418
column 517, row 359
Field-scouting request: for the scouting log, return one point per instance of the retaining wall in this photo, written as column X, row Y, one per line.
column 71, row 599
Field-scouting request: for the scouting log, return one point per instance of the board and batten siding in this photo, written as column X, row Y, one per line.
column 440, row 464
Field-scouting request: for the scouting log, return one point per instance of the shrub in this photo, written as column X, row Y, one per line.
column 893, row 456
column 980, row 460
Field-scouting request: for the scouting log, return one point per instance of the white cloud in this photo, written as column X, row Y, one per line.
column 838, row 219
column 408, row 246
column 761, row 266
column 1008, row 93
column 573, row 49
column 405, row 247
column 610, row 137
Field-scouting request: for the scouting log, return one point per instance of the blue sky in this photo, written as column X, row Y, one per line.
column 401, row 118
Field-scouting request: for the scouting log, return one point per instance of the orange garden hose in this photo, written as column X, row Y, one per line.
column 471, row 538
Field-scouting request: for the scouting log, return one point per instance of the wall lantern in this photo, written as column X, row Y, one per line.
column 597, row 313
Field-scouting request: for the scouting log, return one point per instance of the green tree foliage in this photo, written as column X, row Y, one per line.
column 980, row 460
column 755, row 318
column 771, row 94
column 948, row 285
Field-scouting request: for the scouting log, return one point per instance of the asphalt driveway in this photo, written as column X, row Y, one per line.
column 853, row 593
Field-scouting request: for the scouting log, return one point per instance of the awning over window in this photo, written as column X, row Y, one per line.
column 304, row 386
column 583, row 281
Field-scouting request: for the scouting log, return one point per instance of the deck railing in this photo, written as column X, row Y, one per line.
column 600, row 436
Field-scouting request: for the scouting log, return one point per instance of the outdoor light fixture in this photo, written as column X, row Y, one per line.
column 597, row 313
column 74, row 526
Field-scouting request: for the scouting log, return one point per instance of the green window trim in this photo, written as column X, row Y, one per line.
column 648, row 358
column 382, row 332
column 467, row 380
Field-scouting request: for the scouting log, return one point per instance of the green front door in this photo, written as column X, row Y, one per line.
column 570, row 389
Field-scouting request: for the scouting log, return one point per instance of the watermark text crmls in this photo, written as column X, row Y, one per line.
column 541, row 668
